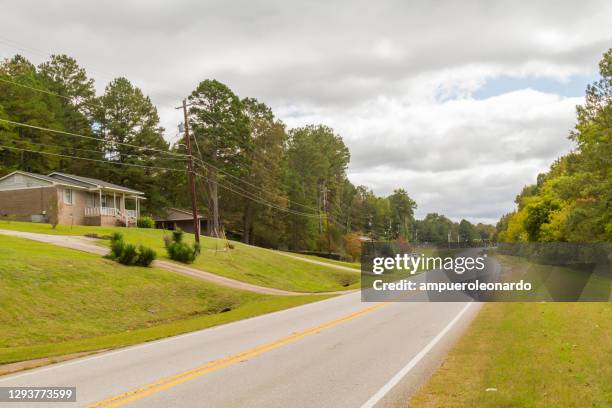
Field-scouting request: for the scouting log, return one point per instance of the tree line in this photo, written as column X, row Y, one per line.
column 257, row 180
column 572, row 202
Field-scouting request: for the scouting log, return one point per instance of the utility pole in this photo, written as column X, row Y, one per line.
column 194, row 207
column 326, row 209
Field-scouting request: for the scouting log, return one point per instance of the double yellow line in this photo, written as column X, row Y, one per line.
column 180, row 378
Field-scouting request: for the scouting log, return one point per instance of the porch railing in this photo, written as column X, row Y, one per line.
column 110, row 212
column 96, row 211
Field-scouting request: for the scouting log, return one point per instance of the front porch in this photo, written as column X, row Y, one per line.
column 109, row 208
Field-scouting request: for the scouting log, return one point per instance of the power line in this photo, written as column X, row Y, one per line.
column 91, row 137
column 202, row 162
column 90, row 159
column 27, row 142
column 261, row 201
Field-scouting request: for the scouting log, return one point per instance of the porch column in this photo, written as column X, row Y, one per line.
column 124, row 210
column 137, row 207
column 100, row 202
column 115, row 202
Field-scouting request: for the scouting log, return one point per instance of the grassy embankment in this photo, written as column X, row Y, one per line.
column 56, row 301
column 352, row 265
column 528, row 355
column 245, row 263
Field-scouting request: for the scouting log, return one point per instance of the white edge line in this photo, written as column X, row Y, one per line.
column 412, row 363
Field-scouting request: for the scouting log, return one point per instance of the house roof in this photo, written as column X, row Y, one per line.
column 88, row 182
column 178, row 214
column 70, row 180
column 25, row 173
column 40, row 177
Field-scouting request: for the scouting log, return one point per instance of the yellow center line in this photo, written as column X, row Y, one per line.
column 180, row 378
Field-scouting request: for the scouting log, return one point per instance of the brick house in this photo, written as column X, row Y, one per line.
column 69, row 199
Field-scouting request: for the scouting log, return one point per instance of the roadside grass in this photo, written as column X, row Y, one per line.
column 55, row 301
column 528, row 355
column 245, row 263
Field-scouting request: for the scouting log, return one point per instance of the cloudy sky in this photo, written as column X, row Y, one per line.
column 460, row 103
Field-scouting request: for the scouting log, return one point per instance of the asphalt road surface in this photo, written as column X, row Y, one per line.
column 339, row 352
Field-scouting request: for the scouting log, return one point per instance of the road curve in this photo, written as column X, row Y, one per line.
column 335, row 353
column 89, row 245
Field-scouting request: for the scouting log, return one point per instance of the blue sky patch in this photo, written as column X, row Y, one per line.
column 574, row 86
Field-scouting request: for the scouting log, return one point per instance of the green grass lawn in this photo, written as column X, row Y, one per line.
column 532, row 354
column 244, row 262
column 353, row 265
column 56, row 301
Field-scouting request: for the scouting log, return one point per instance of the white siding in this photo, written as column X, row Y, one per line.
column 20, row 181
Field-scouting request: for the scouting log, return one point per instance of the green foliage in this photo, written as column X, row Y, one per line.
column 467, row 231
column 177, row 235
column 127, row 120
column 573, row 201
column 221, row 130
column 145, row 222
column 129, row 254
column 538, row 214
column 117, row 245
column 146, row 255
column 402, row 214
column 179, row 250
column 435, row 228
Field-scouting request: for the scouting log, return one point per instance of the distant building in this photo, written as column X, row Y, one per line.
column 179, row 218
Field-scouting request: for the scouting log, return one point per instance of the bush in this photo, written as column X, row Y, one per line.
column 117, row 245
column 128, row 254
column 352, row 245
column 179, row 250
column 145, row 222
column 177, row 235
column 146, row 255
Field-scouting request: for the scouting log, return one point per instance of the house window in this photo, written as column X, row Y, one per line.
column 68, row 196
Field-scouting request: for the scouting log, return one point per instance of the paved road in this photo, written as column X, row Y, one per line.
column 335, row 353
column 90, row 245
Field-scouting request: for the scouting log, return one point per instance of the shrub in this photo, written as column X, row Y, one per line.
column 145, row 222
column 128, row 254
column 177, row 235
column 179, row 250
column 117, row 245
column 352, row 245
column 146, row 255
